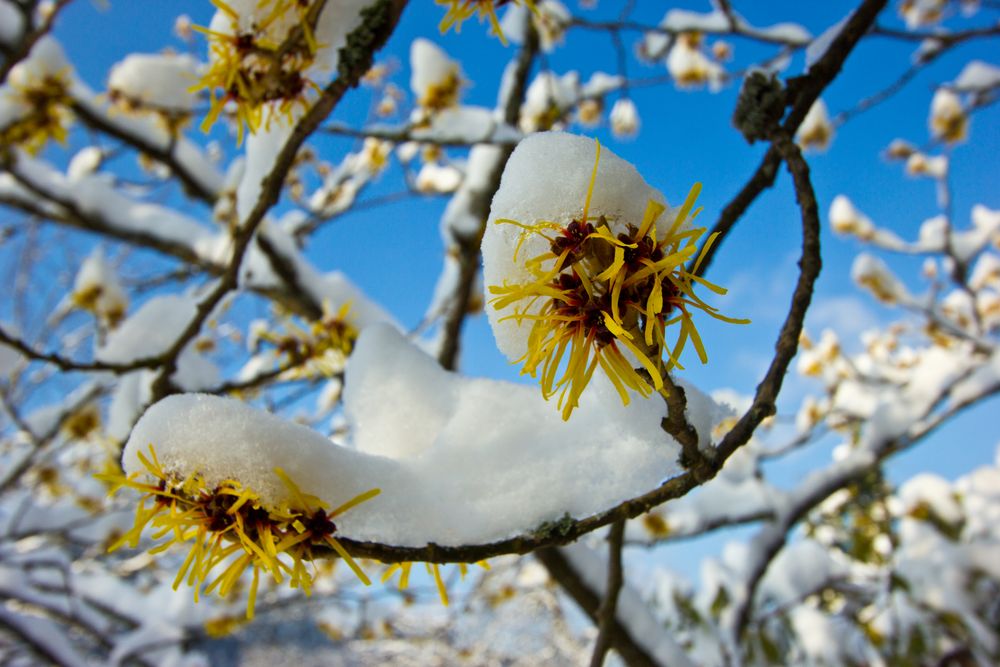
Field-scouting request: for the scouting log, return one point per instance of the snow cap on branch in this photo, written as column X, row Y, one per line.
column 458, row 460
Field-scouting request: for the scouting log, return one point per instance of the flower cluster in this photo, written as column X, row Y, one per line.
column 259, row 66
column 602, row 298
column 40, row 102
column 461, row 10
column 230, row 530
column 319, row 350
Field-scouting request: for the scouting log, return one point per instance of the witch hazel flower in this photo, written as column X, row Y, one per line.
column 230, row 528
column 267, row 57
column 589, row 270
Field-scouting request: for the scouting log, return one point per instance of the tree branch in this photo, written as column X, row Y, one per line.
column 570, row 581
column 606, row 620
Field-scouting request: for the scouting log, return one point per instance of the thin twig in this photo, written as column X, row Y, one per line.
column 609, row 605
column 573, row 585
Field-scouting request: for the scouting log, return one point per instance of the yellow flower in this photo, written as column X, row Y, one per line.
column 230, row 529
column 319, row 351
column 600, row 299
column 461, row 10
column 261, row 74
column 43, row 113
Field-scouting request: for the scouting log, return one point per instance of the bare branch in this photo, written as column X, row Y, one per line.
column 570, row 581
column 606, row 611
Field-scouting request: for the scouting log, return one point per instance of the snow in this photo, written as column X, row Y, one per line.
column 871, row 272
column 546, row 178
column 10, row 358
column 338, row 19
column 11, row 22
column 818, row 47
column 691, row 68
column 918, row 13
column 435, row 78
column 452, row 466
column 94, row 196
column 799, row 569
column 981, row 381
column 816, row 131
column 976, row 76
column 460, row 221
column 463, row 124
column 438, row 178
column 551, row 19
column 947, row 119
column 262, row 147
column 86, row 162
column 161, row 81
column 682, row 20
column 150, row 331
column 97, row 281
column 546, row 92
column 631, row 611
column 131, row 394
column 846, row 219
column 790, row 33
column 985, row 272
column 919, row 164
column 601, row 83
column 929, row 490
column 826, row 639
column 46, row 60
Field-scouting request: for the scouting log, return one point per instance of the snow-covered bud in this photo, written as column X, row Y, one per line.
column 98, row 290
column 845, row 219
column 810, row 414
column 624, row 118
column 438, row 178
column 436, row 79
column 374, row 155
column 948, row 121
column 588, row 112
column 986, row 272
column 548, row 98
column 158, row 83
column 816, row 131
column 689, row 66
column 919, row 164
column 872, row 273
column 814, row 359
column 899, row 149
column 551, row 19
column 918, row 13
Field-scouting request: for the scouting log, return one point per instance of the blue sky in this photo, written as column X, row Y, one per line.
column 685, row 137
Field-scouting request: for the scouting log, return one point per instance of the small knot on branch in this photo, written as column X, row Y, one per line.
column 760, row 106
